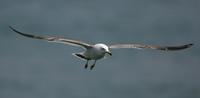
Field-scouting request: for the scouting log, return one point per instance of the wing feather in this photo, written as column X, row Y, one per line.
column 54, row 39
column 140, row 46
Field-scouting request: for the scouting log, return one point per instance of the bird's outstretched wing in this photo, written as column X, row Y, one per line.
column 54, row 39
column 139, row 46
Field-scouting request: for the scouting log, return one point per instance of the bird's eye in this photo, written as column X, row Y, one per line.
column 102, row 49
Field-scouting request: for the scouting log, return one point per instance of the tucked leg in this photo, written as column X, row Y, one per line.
column 86, row 65
column 93, row 65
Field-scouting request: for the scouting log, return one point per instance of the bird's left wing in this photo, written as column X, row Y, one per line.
column 54, row 39
column 140, row 46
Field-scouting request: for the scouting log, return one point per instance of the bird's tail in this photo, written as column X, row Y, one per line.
column 79, row 55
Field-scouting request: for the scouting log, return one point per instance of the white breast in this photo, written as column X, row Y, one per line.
column 94, row 54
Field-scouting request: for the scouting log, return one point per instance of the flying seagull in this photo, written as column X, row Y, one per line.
column 98, row 51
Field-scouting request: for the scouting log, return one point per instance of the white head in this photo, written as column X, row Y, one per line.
column 103, row 48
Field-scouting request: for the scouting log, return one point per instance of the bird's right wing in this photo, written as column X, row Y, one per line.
column 140, row 46
column 54, row 39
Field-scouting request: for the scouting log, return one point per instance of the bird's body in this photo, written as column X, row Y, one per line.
column 98, row 51
column 95, row 52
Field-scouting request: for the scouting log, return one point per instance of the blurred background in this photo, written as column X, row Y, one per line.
column 37, row 69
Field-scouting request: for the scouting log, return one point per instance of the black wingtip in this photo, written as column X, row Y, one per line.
column 11, row 28
column 27, row 35
column 182, row 47
column 190, row 45
column 14, row 30
column 175, row 48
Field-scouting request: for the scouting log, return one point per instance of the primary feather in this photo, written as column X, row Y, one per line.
column 139, row 46
column 54, row 39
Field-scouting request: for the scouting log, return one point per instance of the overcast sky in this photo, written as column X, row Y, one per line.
column 36, row 69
